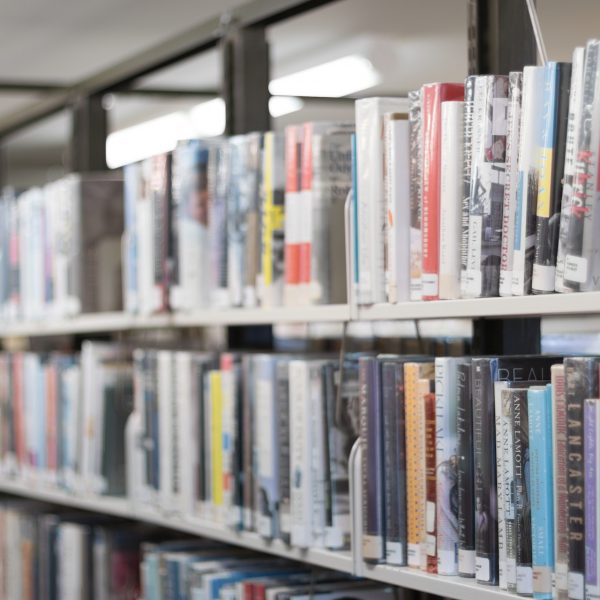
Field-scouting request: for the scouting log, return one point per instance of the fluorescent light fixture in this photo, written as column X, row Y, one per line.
column 146, row 139
column 333, row 79
column 208, row 118
column 284, row 105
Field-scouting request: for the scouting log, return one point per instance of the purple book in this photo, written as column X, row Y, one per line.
column 592, row 589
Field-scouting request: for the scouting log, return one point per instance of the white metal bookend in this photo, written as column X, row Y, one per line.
column 354, row 469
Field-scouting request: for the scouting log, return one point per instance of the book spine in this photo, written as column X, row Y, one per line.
column 300, row 455
column 561, row 504
column 486, row 530
column 292, row 208
column 465, row 474
column 513, row 127
column 320, row 496
column 397, row 193
column 307, row 199
column 522, row 491
column 524, row 245
column 415, row 116
column 446, row 417
column 468, row 124
column 228, row 434
column 582, row 267
column 502, row 548
column 415, row 464
column 373, row 536
column 393, row 425
column 216, row 450
column 487, row 186
column 451, row 199
column 273, row 220
column 248, row 442
column 283, row 414
column 542, row 484
column 430, row 535
column 508, row 489
column 581, row 382
column 572, row 138
column 433, row 96
column 592, row 525
column 552, row 163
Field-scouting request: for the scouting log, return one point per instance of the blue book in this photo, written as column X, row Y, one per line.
column 132, row 184
column 539, row 401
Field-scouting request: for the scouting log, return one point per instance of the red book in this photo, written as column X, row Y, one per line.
column 430, row 481
column 305, row 217
column 293, row 159
column 433, row 95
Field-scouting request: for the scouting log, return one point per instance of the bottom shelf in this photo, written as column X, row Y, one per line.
column 445, row 586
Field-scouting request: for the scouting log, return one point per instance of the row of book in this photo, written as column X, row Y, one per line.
column 77, row 556
column 482, row 189
column 259, row 442
column 60, row 248
column 484, row 467
column 252, row 220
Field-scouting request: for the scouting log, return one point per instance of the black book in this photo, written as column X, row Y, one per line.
column 371, row 433
column 581, row 382
column 552, row 166
column 466, row 487
column 485, row 372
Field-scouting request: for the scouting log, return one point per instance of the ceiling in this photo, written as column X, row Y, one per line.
column 408, row 41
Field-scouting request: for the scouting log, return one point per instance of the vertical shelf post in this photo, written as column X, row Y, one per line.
column 87, row 151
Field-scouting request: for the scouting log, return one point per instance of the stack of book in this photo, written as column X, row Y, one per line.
column 480, row 189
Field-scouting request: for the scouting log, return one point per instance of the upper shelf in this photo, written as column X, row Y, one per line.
column 547, row 305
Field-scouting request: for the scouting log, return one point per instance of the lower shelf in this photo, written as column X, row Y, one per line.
column 447, row 587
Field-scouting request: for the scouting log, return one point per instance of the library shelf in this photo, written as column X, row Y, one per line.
column 120, row 321
column 515, row 306
column 445, row 586
column 123, row 508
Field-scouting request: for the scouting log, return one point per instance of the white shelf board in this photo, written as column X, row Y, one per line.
column 516, row 306
column 448, row 587
column 120, row 507
column 118, row 321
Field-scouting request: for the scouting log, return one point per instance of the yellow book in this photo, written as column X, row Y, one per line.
column 216, row 415
column 415, row 457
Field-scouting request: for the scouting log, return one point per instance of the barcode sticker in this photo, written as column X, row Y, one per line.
column 576, row 585
column 430, row 520
column 482, row 568
column 576, row 268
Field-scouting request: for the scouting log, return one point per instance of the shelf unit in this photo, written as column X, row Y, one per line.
column 445, row 586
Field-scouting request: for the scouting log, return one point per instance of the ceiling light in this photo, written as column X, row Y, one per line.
column 284, row 105
column 208, row 118
column 332, row 79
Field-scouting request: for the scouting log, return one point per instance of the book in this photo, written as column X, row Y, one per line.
column 432, row 97
column 465, row 472
column 591, row 441
column 488, row 168
column 415, row 123
column 370, row 190
column 429, row 544
column 273, row 219
column 397, row 197
column 581, row 382
column 282, row 376
column 572, row 137
column 552, row 141
column 561, row 505
column 451, row 191
column 394, row 432
column 371, row 435
column 539, row 401
column 513, row 128
column 446, row 416
column 526, row 205
column 415, row 459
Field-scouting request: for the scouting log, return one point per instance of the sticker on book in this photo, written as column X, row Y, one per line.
column 576, row 268
column 482, row 568
column 466, row 561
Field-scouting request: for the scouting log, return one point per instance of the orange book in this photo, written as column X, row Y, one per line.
column 415, row 458
column 19, row 422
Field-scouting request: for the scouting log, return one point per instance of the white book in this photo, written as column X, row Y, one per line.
column 446, row 450
column 524, row 245
column 370, row 190
column 510, row 182
column 73, row 577
column 397, row 198
column 144, row 222
column 300, row 455
column 228, row 393
column 451, row 199
column 573, row 121
column 166, row 429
